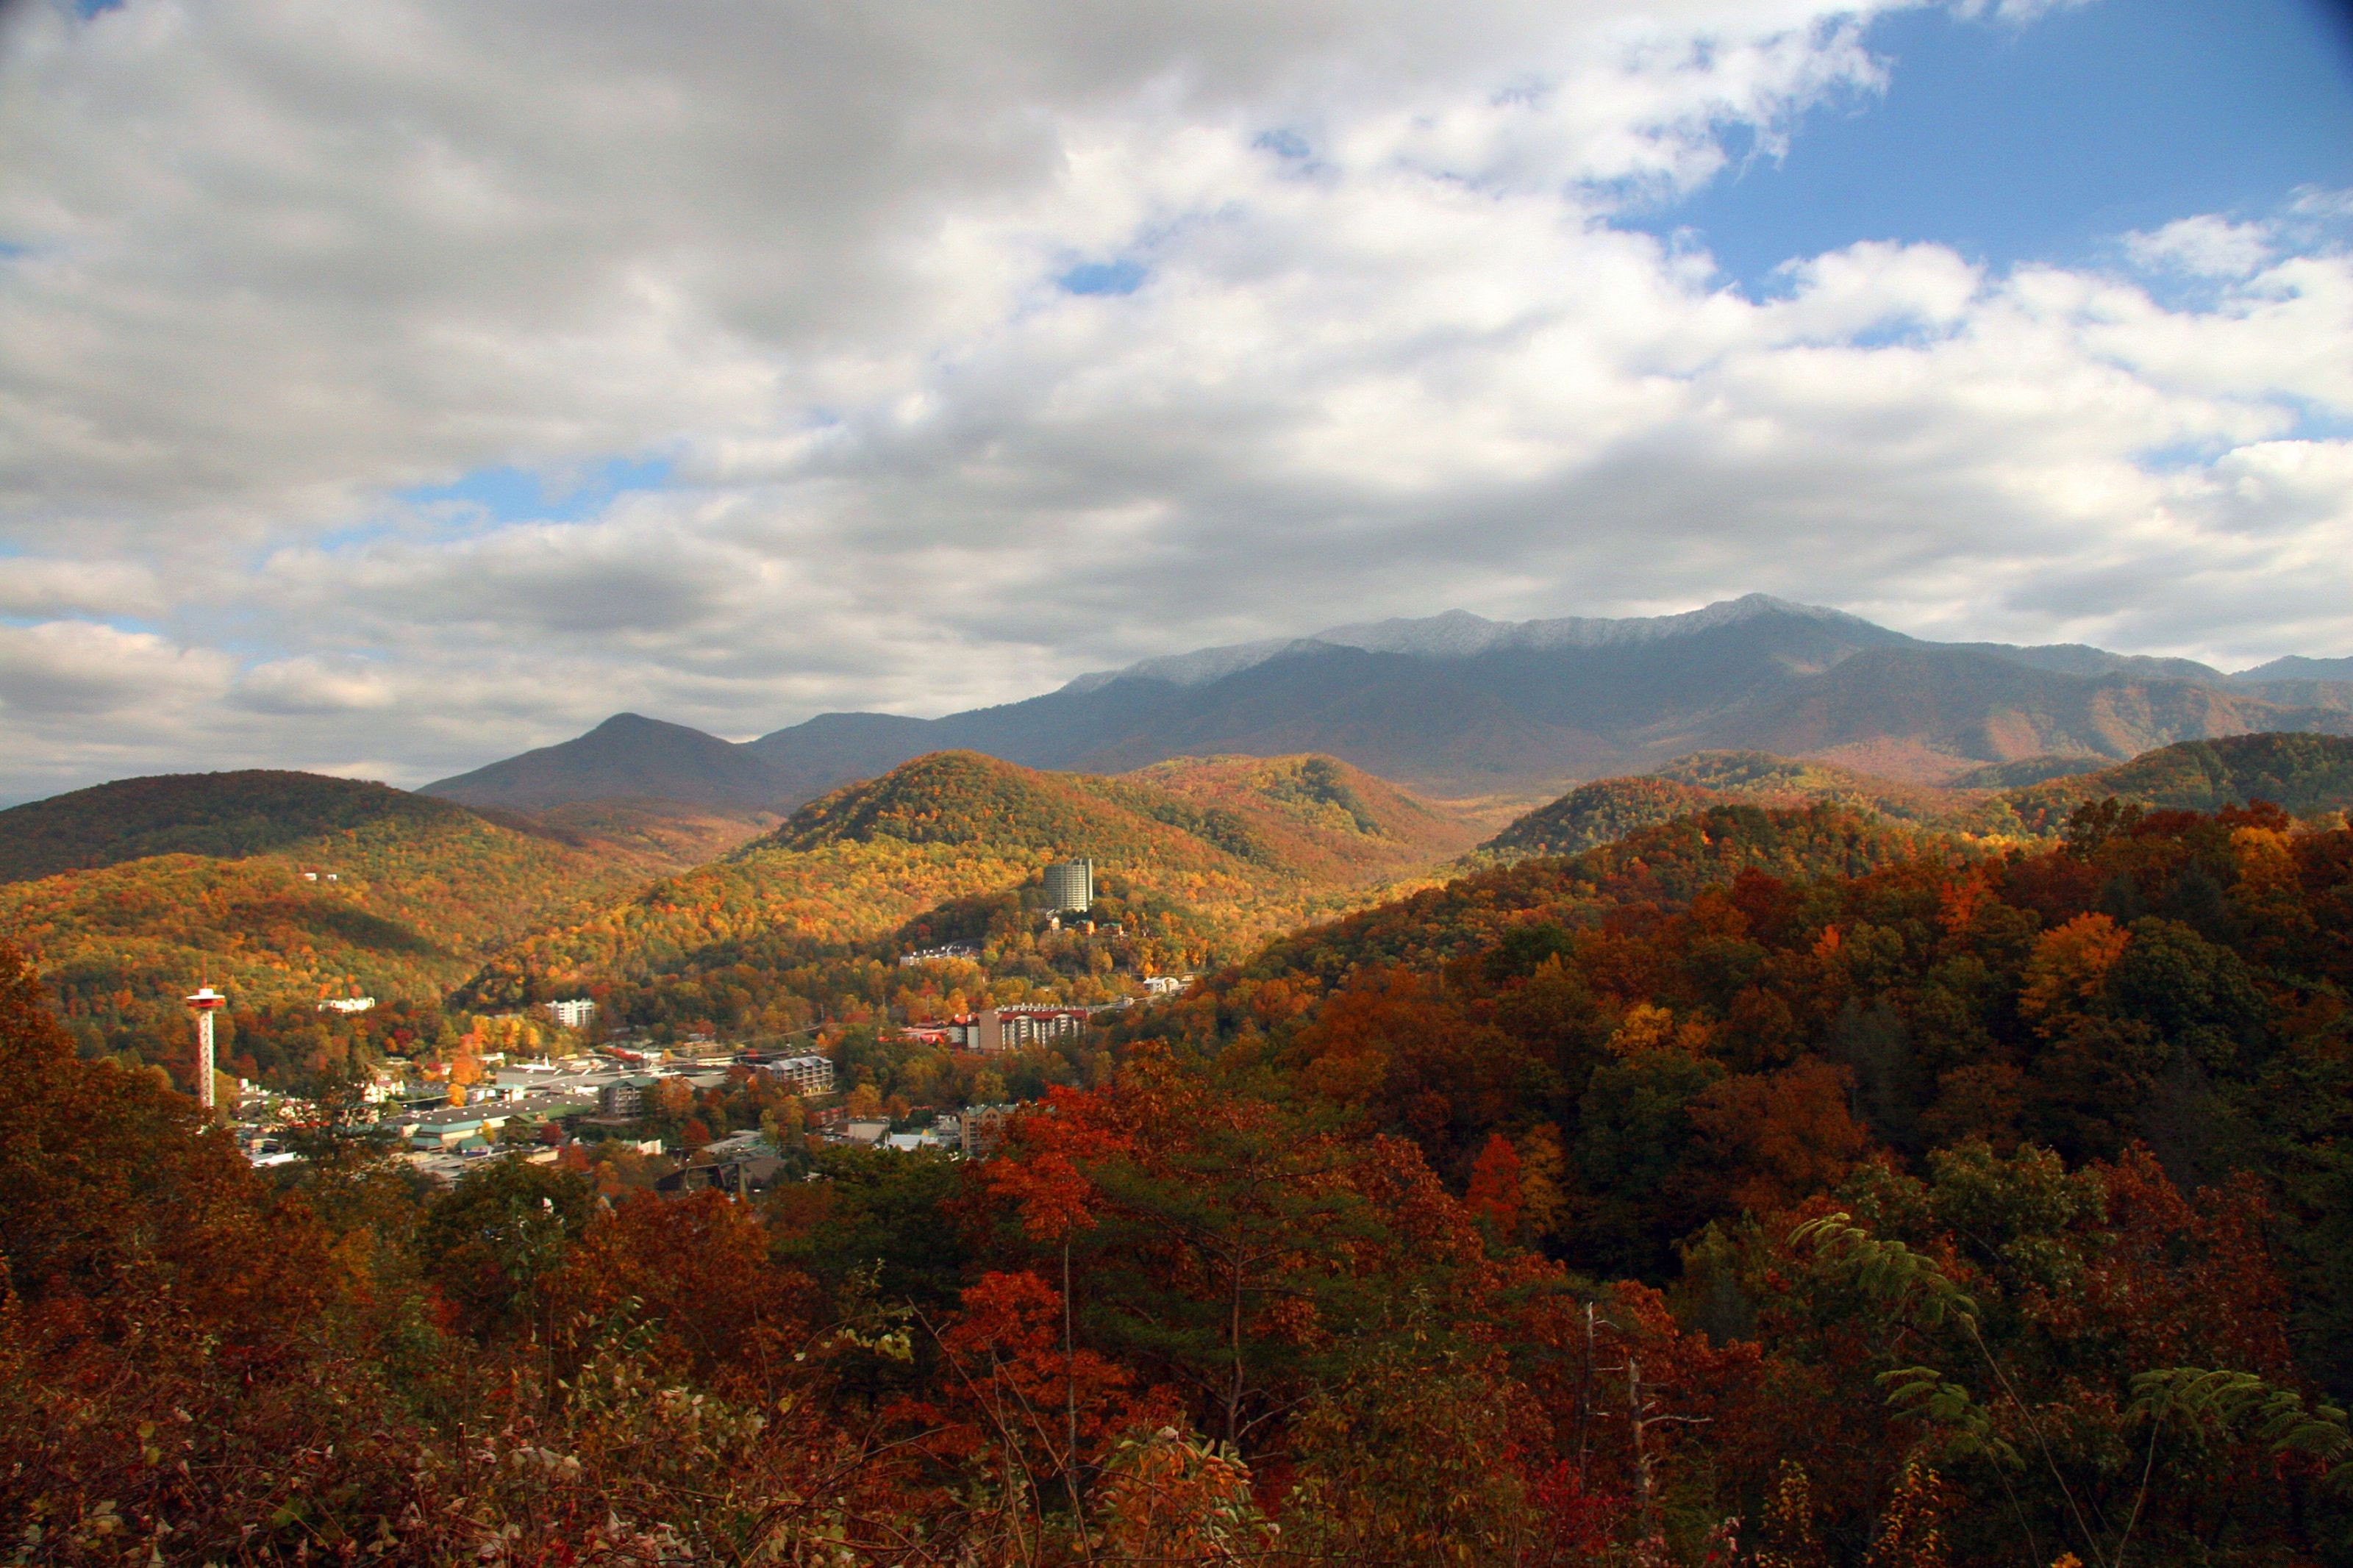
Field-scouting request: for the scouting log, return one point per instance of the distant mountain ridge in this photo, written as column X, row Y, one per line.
column 629, row 756
column 1459, row 705
column 1458, row 634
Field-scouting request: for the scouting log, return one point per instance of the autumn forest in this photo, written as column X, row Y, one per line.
column 1761, row 1166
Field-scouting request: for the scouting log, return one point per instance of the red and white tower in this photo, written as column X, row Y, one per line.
column 204, row 1004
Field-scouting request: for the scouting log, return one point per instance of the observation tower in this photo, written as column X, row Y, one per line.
column 204, row 1004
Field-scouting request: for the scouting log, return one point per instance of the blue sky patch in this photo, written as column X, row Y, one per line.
column 2045, row 140
column 515, row 495
column 1122, row 277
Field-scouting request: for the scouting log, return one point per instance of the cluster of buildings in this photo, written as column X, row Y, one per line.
column 994, row 1030
column 975, row 1134
column 612, row 1092
column 618, row 1087
column 947, row 952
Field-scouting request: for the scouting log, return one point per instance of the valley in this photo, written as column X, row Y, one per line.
column 1591, row 1075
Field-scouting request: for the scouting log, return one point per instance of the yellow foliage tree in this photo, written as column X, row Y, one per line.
column 2071, row 963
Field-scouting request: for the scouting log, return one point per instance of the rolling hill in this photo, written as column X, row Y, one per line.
column 1311, row 816
column 1458, row 706
column 2024, row 772
column 226, row 815
column 1662, row 866
column 1601, row 812
column 2306, row 775
column 281, row 887
column 1608, row 809
column 1196, row 860
column 2309, row 776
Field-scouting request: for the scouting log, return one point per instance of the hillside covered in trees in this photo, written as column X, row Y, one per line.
column 1770, row 1187
column 282, row 888
column 2309, row 776
column 1198, row 860
column 225, row 816
column 1608, row 809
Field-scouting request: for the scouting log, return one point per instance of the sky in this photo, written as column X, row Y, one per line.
column 392, row 387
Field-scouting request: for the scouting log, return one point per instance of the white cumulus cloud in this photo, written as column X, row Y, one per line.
column 982, row 343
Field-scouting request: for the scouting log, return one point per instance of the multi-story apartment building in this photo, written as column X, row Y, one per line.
column 809, row 1075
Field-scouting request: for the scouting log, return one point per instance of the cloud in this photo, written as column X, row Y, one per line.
column 73, row 667
column 33, row 586
column 309, row 685
column 2206, row 244
column 1375, row 348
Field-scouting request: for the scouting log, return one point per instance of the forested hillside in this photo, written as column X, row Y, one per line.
column 1769, row 1188
column 1196, row 861
column 2306, row 775
column 1307, row 816
column 1769, row 779
column 1654, row 869
column 2303, row 775
column 1608, row 809
column 666, row 835
column 1674, row 1072
column 226, row 816
column 281, row 887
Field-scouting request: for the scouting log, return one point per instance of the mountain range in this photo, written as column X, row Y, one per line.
column 1455, row 705
column 289, row 886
